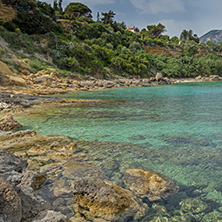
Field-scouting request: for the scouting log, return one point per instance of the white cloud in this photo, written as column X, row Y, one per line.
column 156, row 6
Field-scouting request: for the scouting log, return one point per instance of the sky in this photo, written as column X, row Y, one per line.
column 200, row 16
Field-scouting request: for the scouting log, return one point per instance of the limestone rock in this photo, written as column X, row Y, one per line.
column 159, row 76
column 10, row 203
column 50, row 216
column 146, row 183
column 9, row 123
column 96, row 198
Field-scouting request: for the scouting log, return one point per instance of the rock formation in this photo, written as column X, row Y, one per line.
column 146, row 183
column 9, row 123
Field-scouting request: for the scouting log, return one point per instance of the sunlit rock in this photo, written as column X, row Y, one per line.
column 146, row 183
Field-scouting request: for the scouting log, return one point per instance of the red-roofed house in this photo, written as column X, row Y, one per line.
column 133, row 29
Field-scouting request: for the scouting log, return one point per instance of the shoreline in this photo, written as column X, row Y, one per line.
column 15, row 99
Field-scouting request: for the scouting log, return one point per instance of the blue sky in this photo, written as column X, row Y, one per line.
column 199, row 15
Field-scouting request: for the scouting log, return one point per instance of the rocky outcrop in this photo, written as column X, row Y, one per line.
column 11, row 167
column 10, row 203
column 18, row 201
column 146, row 183
column 96, row 198
column 25, row 100
column 8, row 78
column 9, row 123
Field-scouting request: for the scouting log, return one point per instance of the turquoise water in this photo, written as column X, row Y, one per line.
column 140, row 115
column 175, row 130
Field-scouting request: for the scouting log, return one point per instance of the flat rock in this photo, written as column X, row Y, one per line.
column 146, row 183
column 76, row 170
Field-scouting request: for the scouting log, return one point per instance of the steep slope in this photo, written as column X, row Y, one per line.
column 213, row 35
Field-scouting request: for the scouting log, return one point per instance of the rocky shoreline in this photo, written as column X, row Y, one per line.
column 38, row 87
column 54, row 179
column 50, row 179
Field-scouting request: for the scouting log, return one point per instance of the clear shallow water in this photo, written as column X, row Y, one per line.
column 175, row 130
column 139, row 115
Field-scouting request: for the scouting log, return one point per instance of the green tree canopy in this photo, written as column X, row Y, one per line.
column 156, row 30
column 189, row 36
column 75, row 10
column 108, row 17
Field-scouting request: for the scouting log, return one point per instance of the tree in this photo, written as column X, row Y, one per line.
column 189, row 36
column 155, row 30
column 60, row 5
column 98, row 18
column 108, row 17
column 75, row 10
column 174, row 39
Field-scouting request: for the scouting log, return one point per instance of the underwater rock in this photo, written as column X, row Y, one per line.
column 8, row 123
column 50, row 216
column 76, row 170
column 214, row 216
column 146, row 183
column 32, row 179
column 194, row 206
column 96, row 198
column 10, row 203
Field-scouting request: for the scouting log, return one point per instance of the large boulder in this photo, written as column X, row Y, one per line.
column 9, row 123
column 146, row 183
column 11, row 166
column 158, row 76
column 32, row 204
column 10, row 203
column 96, row 198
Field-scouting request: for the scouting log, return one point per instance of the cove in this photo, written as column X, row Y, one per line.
column 174, row 130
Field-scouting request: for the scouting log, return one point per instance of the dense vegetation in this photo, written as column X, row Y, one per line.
column 80, row 45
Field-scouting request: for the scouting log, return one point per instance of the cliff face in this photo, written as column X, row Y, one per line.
column 6, row 12
column 175, row 53
column 213, row 35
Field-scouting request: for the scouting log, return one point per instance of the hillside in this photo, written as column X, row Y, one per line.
column 41, row 38
column 213, row 35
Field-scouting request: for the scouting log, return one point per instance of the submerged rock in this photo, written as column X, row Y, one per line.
column 146, row 183
column 9, row 123
column 76, row 170
column 50, row 216
column 194, row 206
column 96, row 198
